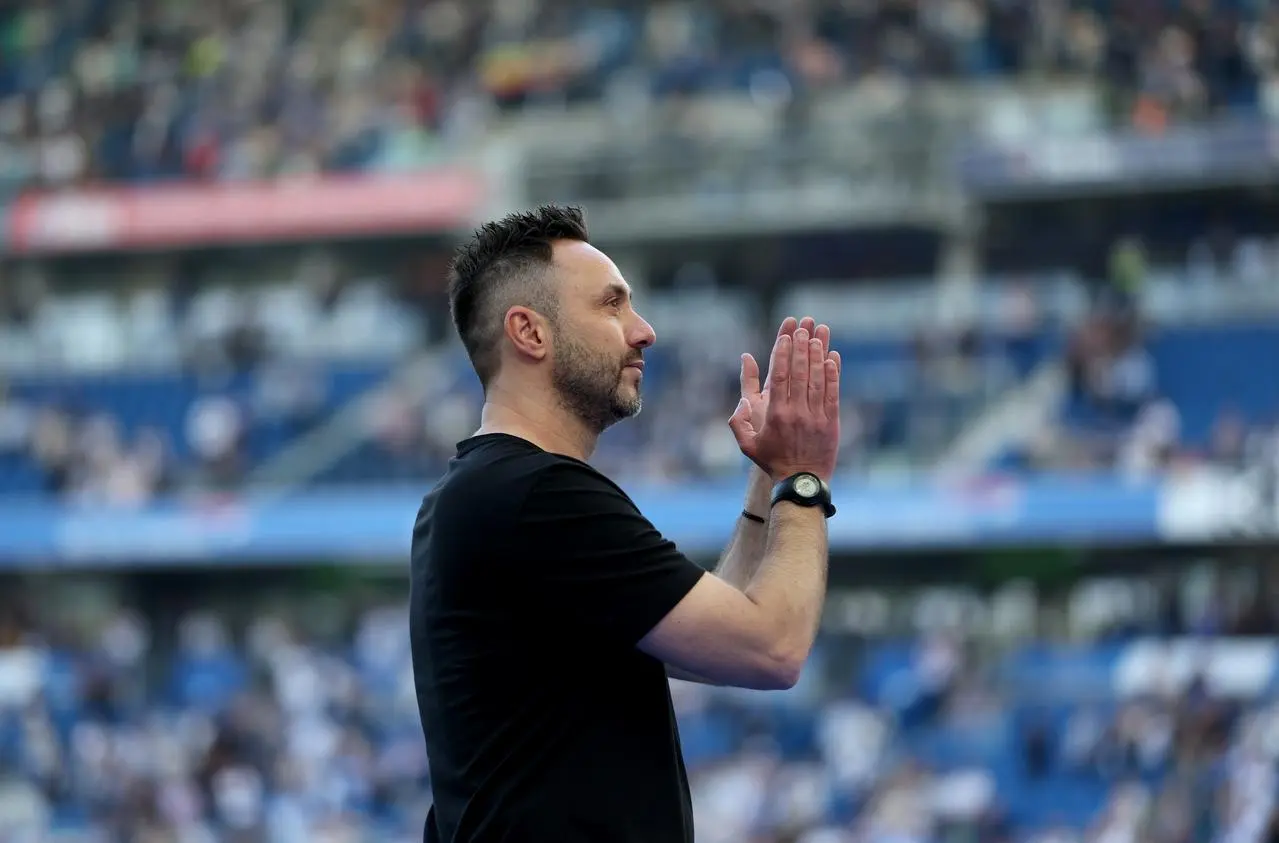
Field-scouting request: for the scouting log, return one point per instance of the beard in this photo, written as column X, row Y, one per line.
column 590, row 385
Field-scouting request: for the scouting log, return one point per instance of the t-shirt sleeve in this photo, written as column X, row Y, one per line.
column 595, row 560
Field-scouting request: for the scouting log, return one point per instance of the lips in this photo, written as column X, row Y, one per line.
column 636, row 364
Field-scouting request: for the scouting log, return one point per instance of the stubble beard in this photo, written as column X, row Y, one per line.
column 590, row 385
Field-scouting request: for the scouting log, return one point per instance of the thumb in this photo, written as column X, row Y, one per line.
column 740, row 422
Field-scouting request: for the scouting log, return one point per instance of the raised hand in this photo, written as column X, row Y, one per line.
column 754, row 401
column 792, row 423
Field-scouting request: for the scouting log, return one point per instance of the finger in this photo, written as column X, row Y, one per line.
column 823, row 334
column 787, row 329
column 830, row 371
column 799, row 367
column 779, row 367
column 839, row 361
column 750, row 375
column 816, row 375
column 809, row 324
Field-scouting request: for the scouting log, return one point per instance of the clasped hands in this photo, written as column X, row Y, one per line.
column 790, row 424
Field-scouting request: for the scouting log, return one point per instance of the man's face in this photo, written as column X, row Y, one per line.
column 599, row 338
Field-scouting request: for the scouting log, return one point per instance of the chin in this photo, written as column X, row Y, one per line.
column 626, row 409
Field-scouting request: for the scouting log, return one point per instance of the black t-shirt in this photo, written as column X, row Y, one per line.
column 534, row 577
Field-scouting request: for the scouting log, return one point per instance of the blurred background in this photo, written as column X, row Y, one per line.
column 1045, row 233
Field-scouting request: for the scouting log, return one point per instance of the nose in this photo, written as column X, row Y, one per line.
column 642, row 335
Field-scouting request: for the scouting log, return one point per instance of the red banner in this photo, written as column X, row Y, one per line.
column 206, row 215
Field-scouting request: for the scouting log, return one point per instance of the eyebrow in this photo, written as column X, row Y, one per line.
column 616, row 289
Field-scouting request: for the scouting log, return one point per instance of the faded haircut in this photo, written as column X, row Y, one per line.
column 504, row 264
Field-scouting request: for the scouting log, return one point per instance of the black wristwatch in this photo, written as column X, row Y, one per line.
column 805, row 489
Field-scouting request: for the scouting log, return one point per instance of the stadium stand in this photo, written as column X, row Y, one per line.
column 128, row 92
column 231, row 375
column 273, row 720
column 1112, row 345
column 136, row 91
column 211, row 382
column 1149, row 390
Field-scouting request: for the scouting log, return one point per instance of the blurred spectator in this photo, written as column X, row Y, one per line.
column 280, row 88
column 270, row 728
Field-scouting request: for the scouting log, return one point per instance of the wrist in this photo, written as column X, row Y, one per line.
column 775, row 477
column 806, row 489
column 759, row 491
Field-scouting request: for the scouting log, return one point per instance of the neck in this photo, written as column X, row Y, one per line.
column 545, row 423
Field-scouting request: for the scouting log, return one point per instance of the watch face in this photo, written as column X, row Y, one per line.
column 807, row 486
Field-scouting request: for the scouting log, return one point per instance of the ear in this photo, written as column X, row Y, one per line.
column 528, row 332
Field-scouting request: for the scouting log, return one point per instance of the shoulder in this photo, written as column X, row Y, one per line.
column 481, row 493
column 503, row 482
column 558, row 472
column 522, row 476
column 566, row 485
column 497, row 469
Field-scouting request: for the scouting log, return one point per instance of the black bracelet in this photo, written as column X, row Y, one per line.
column 750, row 516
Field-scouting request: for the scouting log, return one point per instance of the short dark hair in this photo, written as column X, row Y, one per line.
column 504, row 264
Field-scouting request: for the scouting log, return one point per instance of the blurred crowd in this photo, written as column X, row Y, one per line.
column 297, row 722
column 145, row 90
column 166, row 373
column 148, row 90
column 1145, row 395
column 269, row 737
column 294, row 719
column 115, row 394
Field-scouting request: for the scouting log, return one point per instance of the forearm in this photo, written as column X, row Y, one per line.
column 673, row 672
column 742, row 555
column 741, row 558
column 790, row 584
column 760, row 636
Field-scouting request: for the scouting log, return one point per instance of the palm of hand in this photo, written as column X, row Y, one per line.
column 748, row 419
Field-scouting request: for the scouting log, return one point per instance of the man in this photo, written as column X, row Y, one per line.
column 546, row 611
